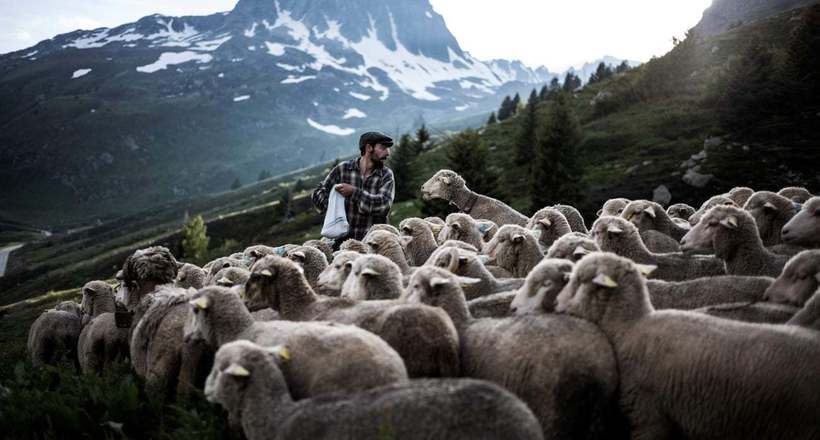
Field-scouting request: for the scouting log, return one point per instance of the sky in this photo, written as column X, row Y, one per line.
column 556, row 34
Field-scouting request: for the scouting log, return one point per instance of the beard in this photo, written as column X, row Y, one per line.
column 378, row 162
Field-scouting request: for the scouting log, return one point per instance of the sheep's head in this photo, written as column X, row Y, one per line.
column 451, row 259
column 462, row 227
column 548, row 224
column 715, row 230
column 221, row 263
column 435, row 287
column 572, row 247
column 333, row 277
column 435, row 220
column 237, row 364
column 231, row 276
column 190, row 275
column 270, row 279
column 322, row 246
column 544, row 282
column 96, row 294
column 309, row 257
column 680, row 210
column 372, row 275
column 614, row 233
column 613, row 207
column 252, row 254
column 381, row 227
column 414, row 228
column 770, row 211
column 69, row 307
column 207, row 303
column 804, row 228
column 443, row 185
column 643, row 214
column 606, row 289
column 796, row 194
column 351, row 244
column 709, row 204
column 740, row 194
column 383, row 243
column 144, row 270
column 508, row 244
column 798, row 281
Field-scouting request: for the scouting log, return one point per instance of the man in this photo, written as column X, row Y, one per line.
column 366, row 183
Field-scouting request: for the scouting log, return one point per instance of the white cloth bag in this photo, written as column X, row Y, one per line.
column 335, row 218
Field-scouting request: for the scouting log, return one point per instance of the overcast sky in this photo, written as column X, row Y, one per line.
column 553, row 33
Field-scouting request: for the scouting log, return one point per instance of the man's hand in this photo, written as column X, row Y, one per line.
column 345, row 189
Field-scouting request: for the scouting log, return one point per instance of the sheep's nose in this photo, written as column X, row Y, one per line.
column 784, row 232
column 513, row 310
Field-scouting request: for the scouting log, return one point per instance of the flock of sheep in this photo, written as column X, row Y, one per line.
column 653, row 324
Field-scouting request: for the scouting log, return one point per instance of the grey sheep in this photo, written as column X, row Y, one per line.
column 418, row 239
column 615, row 234
column 731, row 233
column 373, row 277
column 351, row 244
column 311, row 260
column 53, row 335
column 562, row 367
column 809, row 315
column 798, row 281
column 388, row 245
column 709, row 204
column 464, row 228
column 143, row 271
column 322, row 246
column 423, row 336
column 804, row 228
column 572, row 247
column 771, row 212
column 548, row 224
column 212, row 267
column 325, row 357
column 496, row 271
column 796, row 194
column 740, row 194
column 250, row 382
column 650, row 216
column 448, row 185
column 752, row 312
column 541, row 288
column 681, row 211
column 253, row 253
column 435, row 220
column 467, row 264
column 230, row 276
column 332, row 279
column 100, row 343
column 573, row 216
column 613, row 207
column 190, row 275
column 381, row 227
column 496, row 305
column 98, row 298
column 688, row 375
column 514, row 249
column 707, row 291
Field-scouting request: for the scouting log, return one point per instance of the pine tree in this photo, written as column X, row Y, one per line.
column 236, row 184
column 554, row 88
column 505, row 111
column 422, row 137
column 623, row 67
column 402, row 158
column 571, row 82
column 544, row 93
column 492, row 120
column 525, row 138
column 555, row 175
column 195, row 239
column 516, row 102
column 264, row 174
column 601, row 73
column 286, row 204
column 468, row 156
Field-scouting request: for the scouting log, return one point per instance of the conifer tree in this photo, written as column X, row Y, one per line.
column 264, row 174
column 525, row 138
column 555, row 175
column 516, row 101
column 571, row 82
column 492, row 120
column 468, row 156
column 422, row 137
column 544, row 93
column 195, row 239
column 236, row 184
column 623, row 67
column 402, row 158
column 286, row 204
column 505, row 111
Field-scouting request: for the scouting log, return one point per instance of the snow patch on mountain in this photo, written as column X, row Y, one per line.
column 360, row 96
column 80, row 73
column 275, row 49
column 330, row 129
column 354, row 113
column 297, row 79
column 174, row 58
column 241, row 98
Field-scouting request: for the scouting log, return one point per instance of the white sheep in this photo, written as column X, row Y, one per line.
column 373, row 277
column 572, row 247
column 467, row 264
column 514, row 249
column 311, row 260
column 388, row 245
column 796, row 194
column 548, row 225
column 448, row 185
column 332, row 279
column 574, row 217
column 464, row 228
column 771, row 212
column 419, row 240
column 804, row 228
column 798, row 281
column 613, row 207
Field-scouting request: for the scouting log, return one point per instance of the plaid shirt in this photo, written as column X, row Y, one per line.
column 370, row 203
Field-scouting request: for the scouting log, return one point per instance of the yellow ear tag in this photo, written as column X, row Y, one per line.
column 284, row 353
column 604, row 281
column 237, row 370
column 266, row 273
column 200, row 303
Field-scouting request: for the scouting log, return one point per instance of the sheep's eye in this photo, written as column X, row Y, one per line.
column 817, row 212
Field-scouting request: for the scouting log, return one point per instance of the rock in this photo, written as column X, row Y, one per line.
column 603, row 95
column 693, row 178
column 662, row 195
column 712, row 142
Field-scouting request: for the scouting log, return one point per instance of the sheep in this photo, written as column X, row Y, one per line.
column 312, row 261
column 53, row 335
column 325, row 357
column 548, row 224
column 709, row 204
column 615, row 234
column 253, row 253
column 752, row 312
column 351, row 244
column 646, row 216
column 423, row 336
column 372, row 277
column 770, row 212
column 190, row 275
column 572, row 247
column 732, row 234
column 435, row 220
column 98, row 298
column 381, row 227
column 574, row 218
column 684, row 374
column 464, row 228
column 322, row 246
column 230, row 276
column 496, row 305
column 418, row 240
column 250, row 382
column 740, row 194
column 332, row 279
column 798, row 281
column 467, row 264
column 613, row 207
column 543, row 283
column 515, row 249
column 680, row 211
column 143, row 271
column 538, row 358
column 707, row 291
column 448, row 185
column 221, row 263
column 389, row 245
column 488, row 229
column 796, row 194
column 809, row 315
column 100, row 342
column 804, row 228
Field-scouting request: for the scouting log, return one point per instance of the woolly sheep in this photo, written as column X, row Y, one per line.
column 561, row 367
column 231, row 276
column 435, row 220
column 332, row 279
column 53, row 335
column 496, row 305
column 613, row 207
column 740, row 194
column 98, row 298
column 388, row 245
column 514, row 249
column 464, row 228
column 325, row 357
column 681, row 211
column 467, row 264
column 100, row 342
column 250, row 382
column 418, row 239
column 448, row 185
column 548, row 224
column 312, row 261
column 381, row 227
column 221, row 263
column 684, row 374
column 572, row 247
column 496, row 271
column 798, row 281
column 322, row 246
column 809, row 315
column 804, row 228
column 423, row 336
column 253, row 253
column 190, row 275
column 752, row 312
column 574, row 218
column 770, row 212
column 615, row 234
column 372, row 277
column 542, row 286
column 709, row 204
column 796, row 194
column 731, row 233
column 143, row 271
column 707, row 291
column 650, row 216
column 351, row 244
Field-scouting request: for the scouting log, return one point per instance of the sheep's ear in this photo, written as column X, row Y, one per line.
column 518, row 238
column 729, row 222
column 436, row 228
column 567, row 276
column 266, row 272
column 437, row 282
column 237, row 370
column 463, row 260
column 537, row 233
column 224, row 281
column 612, row 229
column 604, row 280
column 580, row 250
column 646, row 269
column 369, row 271
column 651, row 211
column 546, row 222
column 406, row 239
column 349, row 265
column 200, row 303
column 255, row 254
column 770, row 205
column 600, row 211
column 298, row 254
column 467, row 281
column 445, row 180
column 280, row 351
column 455, row 226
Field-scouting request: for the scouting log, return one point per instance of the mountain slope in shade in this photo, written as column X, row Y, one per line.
column 723, row 15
